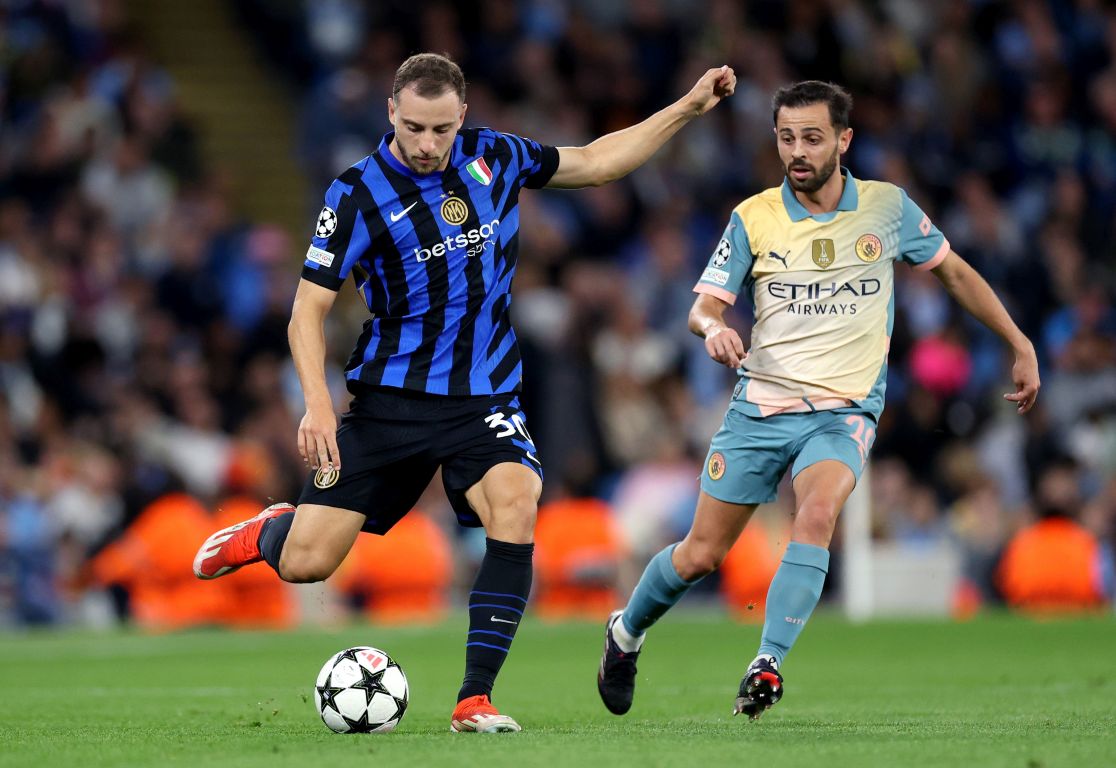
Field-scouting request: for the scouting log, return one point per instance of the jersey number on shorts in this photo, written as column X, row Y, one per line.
column 862, row 435
column 509, row 427
column 513, row 426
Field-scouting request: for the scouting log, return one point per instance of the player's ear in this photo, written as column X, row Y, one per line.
column 844, row 139
column 461, row 116
column 391, row 110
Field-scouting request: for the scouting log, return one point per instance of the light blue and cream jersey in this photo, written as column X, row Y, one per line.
column 823, row 291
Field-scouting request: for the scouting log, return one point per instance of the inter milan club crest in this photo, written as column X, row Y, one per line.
column 327, row 222
column 824, row 253
column 454, row 211
column 326, row 477
column 868, row 248
column 716, row 466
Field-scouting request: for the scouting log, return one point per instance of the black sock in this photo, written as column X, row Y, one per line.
column 496, row 606
column 272, row 537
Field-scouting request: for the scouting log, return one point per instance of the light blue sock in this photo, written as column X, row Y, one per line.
column 792, row 596
column 658, row 590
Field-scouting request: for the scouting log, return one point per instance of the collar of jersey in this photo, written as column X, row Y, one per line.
column 393, row 161
column 798, row 212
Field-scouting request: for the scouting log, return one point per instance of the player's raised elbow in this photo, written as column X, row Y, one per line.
column 600, row 171
column 600, row 179
column 707, row 309
column 581, row 167
column 693, row 322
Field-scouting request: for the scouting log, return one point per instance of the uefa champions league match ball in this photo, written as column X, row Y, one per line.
column 361, row 690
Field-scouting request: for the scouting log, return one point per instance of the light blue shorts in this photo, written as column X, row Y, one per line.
column 749, row 455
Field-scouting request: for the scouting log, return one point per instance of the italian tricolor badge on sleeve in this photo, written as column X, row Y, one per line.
column 480, row 171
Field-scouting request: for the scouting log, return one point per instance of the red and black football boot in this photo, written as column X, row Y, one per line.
column 236, row 546
column 760, row 689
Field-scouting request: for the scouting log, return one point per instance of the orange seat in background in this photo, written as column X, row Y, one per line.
column 747, row 572
column 403, row 576
column 254, row 596
column 1051, row 566
column 153, row 560
column 578, row 551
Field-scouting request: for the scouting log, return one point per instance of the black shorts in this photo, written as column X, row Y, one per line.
column 392, row 441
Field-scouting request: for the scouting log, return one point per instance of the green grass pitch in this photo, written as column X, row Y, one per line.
column 998, row 691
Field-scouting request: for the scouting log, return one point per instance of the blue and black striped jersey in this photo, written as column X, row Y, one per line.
column 433, row 257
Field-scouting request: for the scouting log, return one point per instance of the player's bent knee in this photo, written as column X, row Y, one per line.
column 305, row 567
column 697, row 560
column 513, row 520
column 815, row 521
column 304, row 574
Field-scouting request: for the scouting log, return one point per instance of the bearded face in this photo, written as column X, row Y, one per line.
column 810, row 146
column 425, row 128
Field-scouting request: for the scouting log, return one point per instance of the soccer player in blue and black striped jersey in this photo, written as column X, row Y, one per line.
column 427, row 227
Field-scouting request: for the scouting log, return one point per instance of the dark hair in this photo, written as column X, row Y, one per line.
column 431, row 74
column 808, row 92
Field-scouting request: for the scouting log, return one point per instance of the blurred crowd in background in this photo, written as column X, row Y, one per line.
column 143, row 355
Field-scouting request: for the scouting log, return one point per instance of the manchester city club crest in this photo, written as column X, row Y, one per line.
column 824, row 253
column 326, row 477
column 716, row 467
column 454, row 211
column 869, row 248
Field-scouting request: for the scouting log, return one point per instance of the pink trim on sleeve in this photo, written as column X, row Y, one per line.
column 939, row 257
column 726, row 296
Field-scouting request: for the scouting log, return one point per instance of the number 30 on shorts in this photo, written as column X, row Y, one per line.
column 514, row 427
column 509, row 427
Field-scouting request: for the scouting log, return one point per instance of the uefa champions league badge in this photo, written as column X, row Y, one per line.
column 327, row 223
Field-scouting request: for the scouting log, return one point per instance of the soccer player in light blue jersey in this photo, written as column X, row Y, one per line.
column 816, row 256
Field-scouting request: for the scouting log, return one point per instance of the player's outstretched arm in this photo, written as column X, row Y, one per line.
column 317, row 433
column 723, row 344
column 617, row 154
column 977, row 297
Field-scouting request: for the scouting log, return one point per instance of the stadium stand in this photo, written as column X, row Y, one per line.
column 143, row 312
